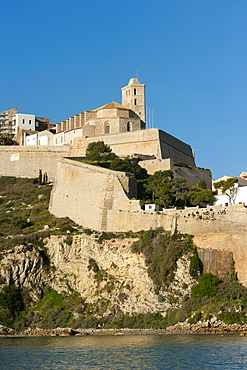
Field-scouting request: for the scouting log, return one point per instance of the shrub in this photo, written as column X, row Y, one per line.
column 162, row 252
column 207, row 286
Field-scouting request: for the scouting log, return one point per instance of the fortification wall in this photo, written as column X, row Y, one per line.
column 148, row 142
column 192, row 175
column 22, row 161
column 171, row 147
column 123, row 144
column 94, row 197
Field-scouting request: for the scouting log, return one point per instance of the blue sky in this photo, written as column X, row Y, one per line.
column 61, row 57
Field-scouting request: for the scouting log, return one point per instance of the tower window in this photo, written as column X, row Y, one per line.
column 30, row 122
column 107, row 128
column 128, row 126
column 23, row 121
column 135, row 101
column 134, row 91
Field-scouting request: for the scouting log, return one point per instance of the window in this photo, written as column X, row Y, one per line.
column 128, row 126
column 30, row 122
column 56, row 140
column 135, row 101
column 134, row 91
column 23, row 121
column 107, row 128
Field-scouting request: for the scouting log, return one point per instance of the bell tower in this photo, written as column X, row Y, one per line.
column 133, row 97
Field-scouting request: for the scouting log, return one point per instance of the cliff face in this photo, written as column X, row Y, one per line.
column 107, row 272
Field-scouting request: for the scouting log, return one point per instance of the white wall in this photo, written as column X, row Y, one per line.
column 40, row 138
column 239, row 195
column 59, row 138
column 67, row 137
column 71, row 135
column 24, row 121
column 31, row 139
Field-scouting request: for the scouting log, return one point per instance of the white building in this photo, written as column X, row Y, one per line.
column 235, row 195
column 152, row 207
column 67, row 137
column 23, row 121
column 40, row 138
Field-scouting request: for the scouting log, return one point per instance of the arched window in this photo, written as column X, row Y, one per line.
column 128, row 126
column 134, row 91
column 107, row 128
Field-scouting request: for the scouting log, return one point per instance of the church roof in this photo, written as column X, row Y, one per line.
column 111, row 105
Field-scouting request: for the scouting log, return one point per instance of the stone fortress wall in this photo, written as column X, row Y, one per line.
column 22, row 161
column 151, row 142
column 101, row 199
column 95, row 198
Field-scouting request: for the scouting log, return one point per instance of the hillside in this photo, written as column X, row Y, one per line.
column 54, row 273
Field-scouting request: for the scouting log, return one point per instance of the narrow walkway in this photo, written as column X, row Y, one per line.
column 107, row 200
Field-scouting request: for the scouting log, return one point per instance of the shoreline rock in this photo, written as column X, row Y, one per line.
column 179, row 328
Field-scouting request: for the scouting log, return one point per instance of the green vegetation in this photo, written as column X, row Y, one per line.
column 228, row 303
column 206, row 287
column 6, row 140
column 162, row 252
column 24, row 215
column 161, row 187
column 167, row 191
column 201, row 196
column 11, row 304
column 24, row 219
column 99, row 152
column 225, row 185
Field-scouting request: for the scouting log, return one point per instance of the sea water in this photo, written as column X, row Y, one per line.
column 125, row 352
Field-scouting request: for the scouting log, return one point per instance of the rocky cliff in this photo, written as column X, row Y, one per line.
column 100, row 272
column 83, row 280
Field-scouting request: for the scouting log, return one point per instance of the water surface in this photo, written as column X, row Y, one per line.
column 125, row 352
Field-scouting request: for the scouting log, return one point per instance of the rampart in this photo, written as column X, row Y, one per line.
column 151, row 142
column 101, row 199
column 25, row 161
column 193, row 175
column 95, row 197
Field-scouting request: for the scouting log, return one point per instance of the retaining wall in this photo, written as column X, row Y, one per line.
column 94, row 197
column 23, row 161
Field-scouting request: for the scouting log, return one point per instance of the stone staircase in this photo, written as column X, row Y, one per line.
column 107, row 201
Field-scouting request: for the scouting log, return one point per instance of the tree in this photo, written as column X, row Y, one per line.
column 180, row 190
column 200, row 196
column 159, row 185
column 99, row 152
column 166, row 190
column 226, row 186
column 6, row 140
column 129, row 165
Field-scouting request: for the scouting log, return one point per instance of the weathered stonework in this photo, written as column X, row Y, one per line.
column 20, row 161
column 94, row 197
column 152, row 142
